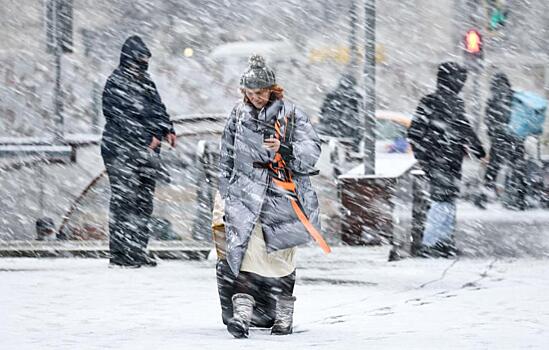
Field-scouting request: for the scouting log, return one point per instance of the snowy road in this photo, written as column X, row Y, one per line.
column 351, row 299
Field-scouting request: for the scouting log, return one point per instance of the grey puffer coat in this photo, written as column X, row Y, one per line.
column 249, row 192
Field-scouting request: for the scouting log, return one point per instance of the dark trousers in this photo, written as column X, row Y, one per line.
column 501, row 151
column 508, row 150
column 130, row 210
column 265, row 291
column 516, row 181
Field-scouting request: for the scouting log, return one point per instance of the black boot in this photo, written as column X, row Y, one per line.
column 243, row 307
column 445, row 249
column 148, row 261
column 118, row 260
column 480, row 200
column 283, row 323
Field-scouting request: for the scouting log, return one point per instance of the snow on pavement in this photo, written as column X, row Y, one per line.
column 350, row 298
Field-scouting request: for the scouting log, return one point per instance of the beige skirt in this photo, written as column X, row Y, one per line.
column 256, row 260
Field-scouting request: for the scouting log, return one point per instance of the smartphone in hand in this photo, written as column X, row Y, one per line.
column 268, row 134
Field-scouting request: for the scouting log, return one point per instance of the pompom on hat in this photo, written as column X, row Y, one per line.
column 257, row 75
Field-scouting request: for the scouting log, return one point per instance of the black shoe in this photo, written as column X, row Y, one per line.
column 123, row 264
column 480, row 201
column 439, row 250
column 415, row 249
column 148, row 262
column 394, row 255
column 426, row 252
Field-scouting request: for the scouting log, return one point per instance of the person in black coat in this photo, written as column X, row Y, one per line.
column 504, row 146
column 441, row 136
column 136, row 123
column 498, row 115
column 339, row 114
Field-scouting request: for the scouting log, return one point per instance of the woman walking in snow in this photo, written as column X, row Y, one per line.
column 266, row 136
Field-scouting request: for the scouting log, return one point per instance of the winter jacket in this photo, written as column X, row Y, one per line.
column 498, row 107
column 248, row 191
column 339, row 114
column 440, row 133
column 132, row 107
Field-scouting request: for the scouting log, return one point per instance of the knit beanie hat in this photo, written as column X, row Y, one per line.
column 258, row 75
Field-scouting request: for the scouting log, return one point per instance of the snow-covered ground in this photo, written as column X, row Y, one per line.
column 350, row 299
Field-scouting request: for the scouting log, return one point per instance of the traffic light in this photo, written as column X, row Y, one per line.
column 497, row 19
column 497, row 12
column 473, row 43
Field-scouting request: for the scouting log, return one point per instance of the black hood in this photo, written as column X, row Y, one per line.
column 451, row 77
column 133, row 52
column 500, row 85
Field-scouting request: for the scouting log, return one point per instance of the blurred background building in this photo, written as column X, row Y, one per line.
column 199, row 50
column 412, row 38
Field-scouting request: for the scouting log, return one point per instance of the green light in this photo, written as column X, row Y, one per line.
column 497, row 19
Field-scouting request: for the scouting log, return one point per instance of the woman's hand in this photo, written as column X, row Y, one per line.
column 272, row 144
column 154, row 143
column 172, row 139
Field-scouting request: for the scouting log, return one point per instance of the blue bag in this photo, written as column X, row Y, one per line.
column 527, row 114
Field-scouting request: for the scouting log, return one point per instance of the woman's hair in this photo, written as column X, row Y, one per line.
column 276, row 90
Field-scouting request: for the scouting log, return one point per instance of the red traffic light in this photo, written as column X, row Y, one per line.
column 473, row 42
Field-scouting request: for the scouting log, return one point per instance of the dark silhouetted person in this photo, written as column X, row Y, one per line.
column 505, row 146
column 136, row 123
column 339, row 114
column 441, row 136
